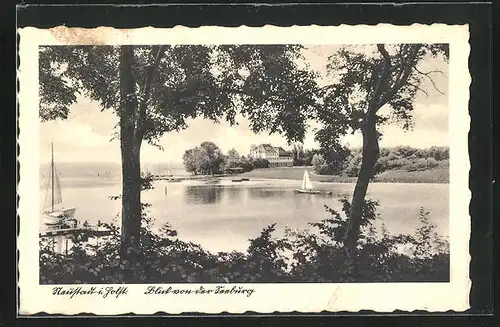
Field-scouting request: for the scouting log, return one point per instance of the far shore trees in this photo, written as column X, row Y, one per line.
column 205, row 159
column 298, row 154
column 208, row 159
column 319, row 164
column 233, row 157
column 402, row 158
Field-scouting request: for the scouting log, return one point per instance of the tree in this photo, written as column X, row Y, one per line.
column 204, row 159
column 319, row 164
column 154, row 90
column 245, row 163
column 334, row 154
column 260, row 163
column 212, row 158
column 363, row 84
column 298, row 153
column 192, row 160
column 233, row 158
column 308, row 155
column 233, row 155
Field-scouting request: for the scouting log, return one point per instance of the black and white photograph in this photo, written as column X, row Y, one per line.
column 215, row 167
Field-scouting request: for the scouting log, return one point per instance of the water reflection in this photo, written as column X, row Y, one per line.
column 211, row 194
column 267, row 192
column 234, row 193
column 216, row 194
column 203, row 195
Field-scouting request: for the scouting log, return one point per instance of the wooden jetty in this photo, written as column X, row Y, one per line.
column 92, row 231
column 63, row 235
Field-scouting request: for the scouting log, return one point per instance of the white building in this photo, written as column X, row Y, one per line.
column 276, row 156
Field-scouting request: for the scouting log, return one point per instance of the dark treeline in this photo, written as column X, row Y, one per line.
column 348, row 161
column 208, row 159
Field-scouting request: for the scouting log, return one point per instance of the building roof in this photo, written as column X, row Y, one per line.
column 268, row 149
column 283, row 153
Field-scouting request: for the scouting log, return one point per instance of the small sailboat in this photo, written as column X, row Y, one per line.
column 54, row 213
column 307, row 186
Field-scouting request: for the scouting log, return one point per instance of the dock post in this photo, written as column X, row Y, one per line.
column 59, row 245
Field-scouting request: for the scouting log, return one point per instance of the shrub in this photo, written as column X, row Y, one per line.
column 319, row 164
column 354, row 165
column 246, row 164
column 431, row 162
column 261, row 163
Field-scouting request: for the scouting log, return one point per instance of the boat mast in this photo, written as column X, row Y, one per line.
column 52, row 173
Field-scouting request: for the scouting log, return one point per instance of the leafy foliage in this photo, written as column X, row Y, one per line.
column 206, row 159
column 359, row 81
column 262, row 82
column 401, row 158
column 363, row 83
column 398, row 158
column 319, row 164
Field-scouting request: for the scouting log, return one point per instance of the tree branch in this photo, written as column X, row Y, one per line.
column 237, row 91
column 404, row 74
column 373, row 107
column 430, row 72
column 157, row 52
column 419, row 88
column 128, row 98
column 430, row 78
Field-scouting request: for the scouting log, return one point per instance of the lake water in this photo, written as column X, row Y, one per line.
column 223, row 216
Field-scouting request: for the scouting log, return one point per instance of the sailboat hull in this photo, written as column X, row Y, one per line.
column 307, row 191
column 307, row 186
column 59, row 216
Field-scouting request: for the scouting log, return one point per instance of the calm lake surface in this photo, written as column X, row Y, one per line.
column 223, row 216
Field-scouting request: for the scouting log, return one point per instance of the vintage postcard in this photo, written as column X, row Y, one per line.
column 264, row 169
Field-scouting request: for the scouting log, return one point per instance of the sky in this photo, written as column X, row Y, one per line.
column 86, row 135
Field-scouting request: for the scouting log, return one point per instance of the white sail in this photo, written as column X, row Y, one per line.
column 54, row 214
column 306, row 182
column 53, row 197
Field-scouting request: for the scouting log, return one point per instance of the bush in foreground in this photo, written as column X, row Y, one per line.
column 314, row 255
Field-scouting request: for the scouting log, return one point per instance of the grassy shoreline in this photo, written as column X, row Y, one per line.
column 436, row 175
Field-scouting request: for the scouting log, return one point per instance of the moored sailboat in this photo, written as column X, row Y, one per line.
column 54, row 213
column 307, row 186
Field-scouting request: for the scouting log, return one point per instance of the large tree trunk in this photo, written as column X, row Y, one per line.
column 130, row 144
column 131, row 192
column 370, row 155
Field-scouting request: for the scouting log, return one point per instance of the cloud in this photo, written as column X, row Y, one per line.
column 72, row 133
column 433, row 117
column 86, row 134
column 430, row 129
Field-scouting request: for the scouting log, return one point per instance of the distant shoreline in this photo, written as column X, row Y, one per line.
column 439, row 175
